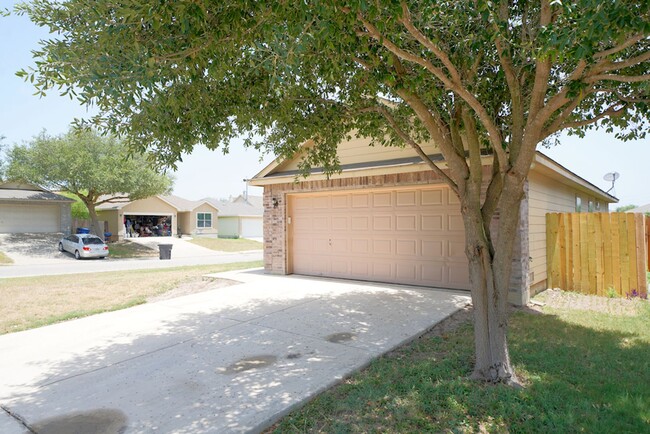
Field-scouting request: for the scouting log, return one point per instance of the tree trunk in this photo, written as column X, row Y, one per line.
column 95, row 228
column 490, row 264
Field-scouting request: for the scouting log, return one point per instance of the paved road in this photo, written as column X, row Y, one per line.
column 36, row 255
column 233, row 359
column 97, row 266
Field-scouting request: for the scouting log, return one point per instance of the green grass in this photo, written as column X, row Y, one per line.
column 583, row 372
column 227, row 244
column 30, row 302
column 128, row 249
column 5, row 260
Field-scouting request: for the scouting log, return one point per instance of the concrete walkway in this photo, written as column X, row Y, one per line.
column 233, row 359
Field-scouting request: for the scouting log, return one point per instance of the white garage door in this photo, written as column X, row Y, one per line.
column 29, row 218
column 252, row 227
column 411, row 236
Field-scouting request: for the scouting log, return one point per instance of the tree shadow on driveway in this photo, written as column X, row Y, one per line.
column 33, row 245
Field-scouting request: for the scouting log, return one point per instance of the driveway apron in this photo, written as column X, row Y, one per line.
column 234, row 359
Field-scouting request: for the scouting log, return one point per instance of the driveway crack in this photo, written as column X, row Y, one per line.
column 21, row 420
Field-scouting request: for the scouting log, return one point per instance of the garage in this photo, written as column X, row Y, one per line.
column 251, row 227
column 28, row 208
column 411, row 236
column 29, row 218
column 148, row 225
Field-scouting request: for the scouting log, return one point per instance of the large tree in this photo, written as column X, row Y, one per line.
column 94, row 168
column 473, row 77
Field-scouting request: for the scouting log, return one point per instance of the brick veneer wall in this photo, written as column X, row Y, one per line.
column 275, row 212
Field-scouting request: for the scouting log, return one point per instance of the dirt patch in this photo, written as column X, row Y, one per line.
column 192, row 287
column 556, row 299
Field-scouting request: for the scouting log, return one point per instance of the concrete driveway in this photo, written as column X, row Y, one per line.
column 233, row 359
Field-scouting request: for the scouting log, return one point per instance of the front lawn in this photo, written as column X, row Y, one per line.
column 227, row 244
column 30, row 302
column 583, row 370
column 128, row 249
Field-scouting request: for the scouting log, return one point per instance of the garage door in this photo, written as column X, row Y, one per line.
column 29, row 218
column 252, row 227
column 411, row 236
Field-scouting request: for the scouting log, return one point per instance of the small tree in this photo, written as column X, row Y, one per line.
column 3, row 163
column 96, row 169
column 625, row 208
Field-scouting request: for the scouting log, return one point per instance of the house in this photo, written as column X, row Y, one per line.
column 643, row 209
column 240, row 217
column 386, row 217
column 29, row 208
column 162, row 215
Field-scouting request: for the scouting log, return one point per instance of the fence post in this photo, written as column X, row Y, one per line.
column 642, row 286
column 552, row 250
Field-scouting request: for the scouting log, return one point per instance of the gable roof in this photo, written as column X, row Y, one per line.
column 181, row 204
column 184, row 204
column 21, row 191
column 373, row 160
column 238, row 208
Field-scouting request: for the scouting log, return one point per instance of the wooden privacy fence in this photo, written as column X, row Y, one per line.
column 596, row 253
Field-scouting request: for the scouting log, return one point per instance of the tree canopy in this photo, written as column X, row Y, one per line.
column 94, row 168
column 471, row 76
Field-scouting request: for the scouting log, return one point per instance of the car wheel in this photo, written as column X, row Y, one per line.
column 60, row 247
column 77, row 255
column 102, row 257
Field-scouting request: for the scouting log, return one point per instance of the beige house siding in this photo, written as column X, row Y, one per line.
column 546, row 195
column 111, row 217
column 356, row 151
column 205, row 208
column 150, row 205
column 184, row 224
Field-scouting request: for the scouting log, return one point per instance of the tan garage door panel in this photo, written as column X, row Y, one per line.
column 411, row 236
column 29, row 218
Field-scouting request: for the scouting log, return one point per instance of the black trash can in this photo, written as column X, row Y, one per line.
column 165, row 251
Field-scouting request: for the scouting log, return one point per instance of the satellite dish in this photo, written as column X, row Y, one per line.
column 612, row 177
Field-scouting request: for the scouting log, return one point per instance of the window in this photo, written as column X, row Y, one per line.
column 578, row 204
column 203, row 219
column 590, row 206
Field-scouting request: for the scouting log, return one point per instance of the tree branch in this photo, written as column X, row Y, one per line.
column 625, row 44
column 513, row 84
column 409, row 141
column 494, row 134
column 542, row 70
column 428, row 43
column 632, row 61
column 612, row 111
column 619, row 78
column 114, row 199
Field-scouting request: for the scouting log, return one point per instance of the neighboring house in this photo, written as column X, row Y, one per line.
column 162, row 215
column 240, row 217
column 29, row 208
column 387, row 217
column 643, row 209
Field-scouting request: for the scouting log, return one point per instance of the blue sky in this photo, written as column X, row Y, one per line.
column 208, row 173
